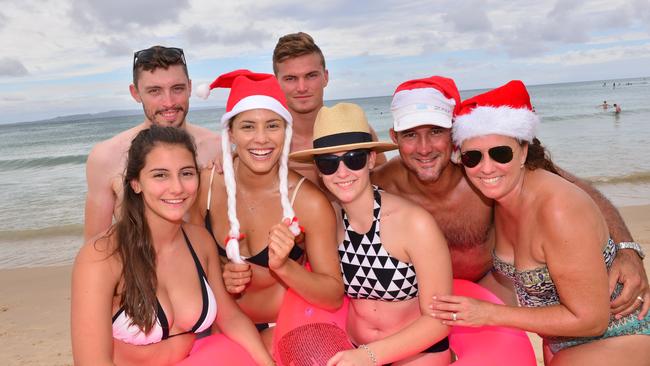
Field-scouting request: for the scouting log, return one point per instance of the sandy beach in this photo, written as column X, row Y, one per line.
column 35, row 306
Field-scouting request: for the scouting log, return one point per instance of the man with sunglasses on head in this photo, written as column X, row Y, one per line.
column 428, row 172
column 162, row 85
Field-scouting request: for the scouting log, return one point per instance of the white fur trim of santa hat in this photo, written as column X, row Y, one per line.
column 520, row 123
column 257, row 102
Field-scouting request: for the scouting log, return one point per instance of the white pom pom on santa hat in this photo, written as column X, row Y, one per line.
column 203, row 91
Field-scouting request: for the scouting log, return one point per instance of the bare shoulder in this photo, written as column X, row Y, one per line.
column 201, row 134
column 389, row 175
column 563, row 206
column 409, row 216
column 309, row 196
column 104, row 153
column 201, row 240
column 99, row 252
column 208, row 144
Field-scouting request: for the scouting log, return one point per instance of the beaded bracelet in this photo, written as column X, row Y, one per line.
column 370, row 353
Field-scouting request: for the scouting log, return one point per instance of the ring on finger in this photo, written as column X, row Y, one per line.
column 454, row 317
column 640, row 298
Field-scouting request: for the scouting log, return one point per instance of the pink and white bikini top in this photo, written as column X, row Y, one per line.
column 126, row 332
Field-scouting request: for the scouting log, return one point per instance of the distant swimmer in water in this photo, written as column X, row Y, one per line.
column 604, row 105
column 617, row 108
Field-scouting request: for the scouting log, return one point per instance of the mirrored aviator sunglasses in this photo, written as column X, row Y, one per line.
column 500, row 154
column 328, row 164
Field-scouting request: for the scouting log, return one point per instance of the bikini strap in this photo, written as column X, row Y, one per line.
column 204, row 290
column 197, row 262
column 295, row 190
column 210, row 187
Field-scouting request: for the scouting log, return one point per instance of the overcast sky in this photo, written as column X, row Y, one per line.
column 61, row 57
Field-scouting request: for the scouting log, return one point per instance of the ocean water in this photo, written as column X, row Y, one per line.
column 42, row 164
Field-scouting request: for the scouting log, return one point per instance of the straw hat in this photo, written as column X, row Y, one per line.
column 340, row 128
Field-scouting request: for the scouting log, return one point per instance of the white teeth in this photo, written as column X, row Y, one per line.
column 173, row 202
column 260, row 152
column 344, row 184
column 490, row 180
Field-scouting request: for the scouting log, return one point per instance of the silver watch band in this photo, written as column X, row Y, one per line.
column 632, row 245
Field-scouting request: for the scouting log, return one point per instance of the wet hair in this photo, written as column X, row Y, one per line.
column 539, row 157
column 133, row 236
column 156, row 57
column 295, row 45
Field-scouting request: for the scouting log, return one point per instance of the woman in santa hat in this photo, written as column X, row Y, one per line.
column 266, row 219
column 551, row 240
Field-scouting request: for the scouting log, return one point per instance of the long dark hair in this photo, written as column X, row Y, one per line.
column 133, row 235
column 539, row 157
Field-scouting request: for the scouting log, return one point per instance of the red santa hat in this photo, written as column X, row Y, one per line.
column 428, row 101
column 249, row 90
column 505, row 110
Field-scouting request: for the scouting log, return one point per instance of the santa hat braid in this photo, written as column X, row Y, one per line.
column 232, row 241
column 283, row 172
column 252, row 91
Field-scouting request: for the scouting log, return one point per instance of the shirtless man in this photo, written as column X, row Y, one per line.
column 299, row 66
column 424, row 173
column 162, row 85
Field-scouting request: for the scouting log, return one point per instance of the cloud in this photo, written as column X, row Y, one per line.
column 468, row 16
column 125, row 15
column 3, row 20
column 12, row 67
column 597, row 56
column 199, row 35
column 12, row 98
column 115, row 47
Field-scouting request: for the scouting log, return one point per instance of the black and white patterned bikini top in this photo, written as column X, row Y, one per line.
column 369, row 271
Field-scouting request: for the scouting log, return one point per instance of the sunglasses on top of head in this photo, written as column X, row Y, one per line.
column 172, row 54
column 500, row 154
column 328, row 164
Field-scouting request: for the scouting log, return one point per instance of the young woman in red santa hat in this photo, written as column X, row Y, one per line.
column 266, row 219
column 551, row 240
column 393, row 256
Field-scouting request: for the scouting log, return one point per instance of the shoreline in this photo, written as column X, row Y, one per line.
column 35, row 305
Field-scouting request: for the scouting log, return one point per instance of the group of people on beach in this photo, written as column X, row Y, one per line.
column 188, row 232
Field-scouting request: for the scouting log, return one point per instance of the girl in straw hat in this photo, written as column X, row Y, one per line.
column 253, row 208
column 551, row 240
column 388, row 272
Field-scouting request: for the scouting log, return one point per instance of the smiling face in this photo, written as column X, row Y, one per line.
column 168, row 182
column 425, row 150
column 303, row 80
column 164, row 94
column 259, row 136
column 495, row 180
column 347, row 184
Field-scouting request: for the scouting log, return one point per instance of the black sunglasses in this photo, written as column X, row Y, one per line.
column 500, row 154
column 172, row 54
column 329, row 164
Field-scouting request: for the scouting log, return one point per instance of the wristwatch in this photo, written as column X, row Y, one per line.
column 631, row 245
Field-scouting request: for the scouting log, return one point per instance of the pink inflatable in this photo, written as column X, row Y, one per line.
column 217, row 350
column 488, row 346
column 308, row 335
